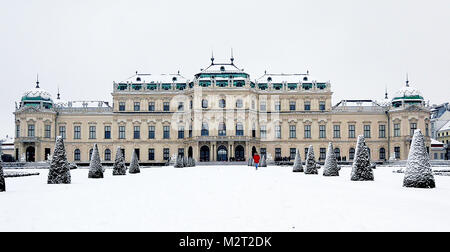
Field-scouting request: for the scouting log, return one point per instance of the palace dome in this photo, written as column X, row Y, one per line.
column 408, row 92
column 37, row 97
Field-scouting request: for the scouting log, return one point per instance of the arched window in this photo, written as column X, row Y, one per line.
column 107, row 155
column 337, row 153
column 90, row 154
column 204, row 103
column 205, row 129
column 239, row 103
column 382, row 154
column 222, row 103
column 77, row 155
column 351, row 154
column 239, row 129
column 222, row 129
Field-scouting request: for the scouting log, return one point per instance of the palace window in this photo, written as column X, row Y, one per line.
column 292, row 153
column 121, row 106
column 18, row 130
column 166, row 132
column 337, row 131
column 181, row 106
column 323, row 153
column 137, row 132
column 151, row 132
column 107, row 155
column 277, row 153
column 382, row 131
column 351, row 131
column 396, row 129
column 263, row 132
column 351, row 154
column 239, row 103
column 397, row 152
column 292, row 105
column 151, row 106
column 307, row 106
column 204, row 103
column 48, row 131
column 292, row 131
column 337, row 153
column 77, row 155
column 222, row 103
column 151, row 154
column 382, row 154
column 222, row 129
column 278, row 131
column 62, row 131
column 77, row 132
column 166, row 106
column 263, row 152
column 239, row 129
column 205, row 129
column 92, row 132
column 107, row 132
column 413, row 127
column 322, row 131
column 307, row 131
column 180, row 132
column 121, row 132
column 367, row 133
column 137, row 106
column 190, row 131
column 181, row 152
column 322, row 106
column 277, row 106
column 166, row 153
column 262, row 106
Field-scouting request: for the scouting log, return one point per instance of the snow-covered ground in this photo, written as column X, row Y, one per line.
column 223, row 199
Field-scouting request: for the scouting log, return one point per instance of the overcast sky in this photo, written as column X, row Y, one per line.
column 360, row 46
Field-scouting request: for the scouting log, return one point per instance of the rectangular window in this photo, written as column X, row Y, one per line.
column 151, row 106
column 190, row 131
column 322, row 131
column 351, row 131
column 382, row 131
column 367, row 133
column 277, row 106
column 181, row 106
column 322, row 106
column 77, row 132
column 137, row 132
column 397, row 130
column 263, row 132
column 277, row 153
column 121, row 106
column 151, row 132
column 166, row 132
column 181, row 132
column 278, row 131
column 48, row 131
column 166, row 106
column 92, row 132
column 222, row 129
column 151, row 154
column 166, row 153
column 239, row 129
column 263, row 152
column 307, row 106
column 292, row 131
column 121, row 132
column 307, row 131
column 18, row 130
column 292, row 106
column 107, row 132
column 292, row 152
column 323, row 154
column 337, row 131
column 397, row 152
column 262, row 106
column 181, row 152
column 62, row 131
column 413, row 127
column 137, row 106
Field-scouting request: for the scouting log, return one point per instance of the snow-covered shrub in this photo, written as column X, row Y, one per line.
column 73, row 166
column 2, row 179
column 298, row 167
column 134, row 165
column 119, row 167
column 59, row 171
column 179, row 163
column 331, row 167
column 311, row 165
column 418, row 173
column 95, row 167
column 361, row 168
column 263, row 162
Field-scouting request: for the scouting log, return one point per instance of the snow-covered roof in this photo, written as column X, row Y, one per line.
column 435, row 142
column 446, row 127
column 284, row 78
column 408, row 92
column 37, row 93
column 155, row 78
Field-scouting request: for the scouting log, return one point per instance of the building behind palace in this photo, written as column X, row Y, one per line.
column 220, row 115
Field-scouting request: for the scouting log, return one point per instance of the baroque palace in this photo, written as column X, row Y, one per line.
column 220, row 115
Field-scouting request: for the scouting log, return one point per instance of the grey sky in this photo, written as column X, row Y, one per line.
column 360, row 46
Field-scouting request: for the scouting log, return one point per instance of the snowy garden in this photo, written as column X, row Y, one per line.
column 305, row 197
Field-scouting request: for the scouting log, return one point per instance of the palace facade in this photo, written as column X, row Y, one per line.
column 220, row 115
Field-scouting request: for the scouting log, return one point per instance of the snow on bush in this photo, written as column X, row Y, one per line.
column 418, row 172
column 298, row 167
column 311, row 165
column 134, row 166
column 119, row 167
column 331, row 167
column 361, row 168
column 73, row 166
column 179, row 163
column 2, row 179
column 95, row 167
column 263, row 162
column 59, row 171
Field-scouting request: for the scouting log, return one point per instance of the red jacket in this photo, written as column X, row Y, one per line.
column 256, row 158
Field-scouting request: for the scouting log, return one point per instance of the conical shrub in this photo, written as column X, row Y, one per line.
column 59, row 172
column 418, row 173
column 95, row 167
column 298, row 166
column 134, row 165
column 119, row 164
column 361, row 170
column 331, row 167
column 310, row 163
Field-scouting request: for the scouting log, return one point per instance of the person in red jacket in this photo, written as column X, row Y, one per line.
column 256, row 158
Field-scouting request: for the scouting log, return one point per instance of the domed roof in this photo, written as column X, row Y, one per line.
column 408, row 92
column 37, row 94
